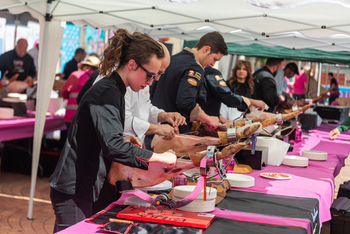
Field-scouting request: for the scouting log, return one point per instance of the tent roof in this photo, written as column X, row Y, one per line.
column 312, row 55
column 299, row 24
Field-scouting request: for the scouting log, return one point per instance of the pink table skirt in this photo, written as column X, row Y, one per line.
column 21, row 127
column 315, row 181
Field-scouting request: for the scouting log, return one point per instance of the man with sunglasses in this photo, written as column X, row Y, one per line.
column 141, row 117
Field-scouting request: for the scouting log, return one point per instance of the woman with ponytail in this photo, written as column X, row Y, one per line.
column 95, row 136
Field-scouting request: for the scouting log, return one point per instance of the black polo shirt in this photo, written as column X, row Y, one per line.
column 214, row 91
column 12, row 63
column 70, row 67
column 178, row 88
column 98, row 124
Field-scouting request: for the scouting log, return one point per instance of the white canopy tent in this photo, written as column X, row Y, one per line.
column 298, row 24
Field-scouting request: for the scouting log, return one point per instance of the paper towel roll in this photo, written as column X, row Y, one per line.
column 6, row 113
column 198, row 205
column 269, row 142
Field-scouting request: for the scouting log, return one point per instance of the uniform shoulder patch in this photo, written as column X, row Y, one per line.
column 217, row 77
column 198, row 75
column 191, row 73
column 222, row 83
column 192, row 81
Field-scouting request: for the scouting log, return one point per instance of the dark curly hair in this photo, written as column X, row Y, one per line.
column 249, row 83
column 124, row 46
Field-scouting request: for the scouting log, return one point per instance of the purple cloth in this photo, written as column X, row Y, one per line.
column 315, row 181
column 17, row 128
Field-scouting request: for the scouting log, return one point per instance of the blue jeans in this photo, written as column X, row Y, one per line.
column 68, row 209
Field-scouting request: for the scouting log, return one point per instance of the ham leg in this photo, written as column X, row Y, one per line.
column 157, row 173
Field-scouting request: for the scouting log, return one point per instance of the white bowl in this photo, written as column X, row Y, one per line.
column 6, row 113
column 238, row 180
column 185, row 190
column 295, row 161
column 198, row 205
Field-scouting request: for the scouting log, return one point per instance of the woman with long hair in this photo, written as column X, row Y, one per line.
column 95, row 137
column 240, row 82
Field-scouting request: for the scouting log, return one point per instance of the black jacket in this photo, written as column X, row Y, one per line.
column 265, row 88
column 178, row 88
column 97, row 125
column 214, row 91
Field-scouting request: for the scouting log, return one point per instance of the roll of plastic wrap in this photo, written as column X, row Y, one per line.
column 185, row 190
column 238, row 180
column 6, row 113
column 198, row 205
column 295, row 161
column 315, row 155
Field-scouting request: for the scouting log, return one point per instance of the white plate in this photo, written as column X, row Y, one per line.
column 238, row 180
column 295, row 161
column 190, row 172
column 162, row 186
column 136, row 201
column 11, row 99
column 315, row 155
column 275, row 176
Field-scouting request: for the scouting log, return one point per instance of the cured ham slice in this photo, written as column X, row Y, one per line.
column 183, row 144
column 157, row 173
column 203, row 129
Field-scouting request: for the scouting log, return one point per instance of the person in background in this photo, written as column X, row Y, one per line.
column 98, row 125
column 214, row 91
column 300, row 85
column 34, row 52
column 72, row 65
column 240, row 82
column 18, row 61
column 74, row 84
column 345, row 126
column 334, row 88
column 265, row 85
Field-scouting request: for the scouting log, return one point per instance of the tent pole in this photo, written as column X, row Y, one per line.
column 16, row 25
column 318, row 73
column 38, row 120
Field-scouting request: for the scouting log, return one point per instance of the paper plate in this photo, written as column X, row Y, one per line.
column 6, row 113
column 185, row 190
column 315, row 155
column 275, row 176
column 295, row 161
column 11, row 99
column 136, row 201
column 198, row 205
column 190, row 172
column 162, row 186
column 238, row 180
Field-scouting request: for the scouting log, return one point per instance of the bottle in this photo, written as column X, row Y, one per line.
column 298, row 133
column 180, row 179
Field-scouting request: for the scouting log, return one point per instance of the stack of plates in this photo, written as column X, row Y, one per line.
column 6, row 113
column 136, row 201
column 237, row 180
column 295, row 161
column 315, row 155
column 197, row 205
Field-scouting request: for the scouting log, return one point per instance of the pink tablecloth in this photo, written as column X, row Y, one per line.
column 315, row 181
column 21, row 127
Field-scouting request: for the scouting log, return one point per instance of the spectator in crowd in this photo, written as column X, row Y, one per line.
column 300, row 84
column 74, row 84
column 72, row 65
column 334, row 88
column 34, row 52
column 265, row 84
column 290, row 70
column 240, row 82
column 17, row 61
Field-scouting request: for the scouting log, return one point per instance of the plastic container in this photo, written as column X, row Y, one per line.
column 298, row 133
column 180, row 179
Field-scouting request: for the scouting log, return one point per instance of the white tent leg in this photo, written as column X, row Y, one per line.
column 50, row 43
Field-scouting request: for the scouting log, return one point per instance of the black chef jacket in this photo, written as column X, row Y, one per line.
column 10, row 62
column 87, row 85
column 178, row 88
column 265, row 88
column 214, row 90
column 98, row 124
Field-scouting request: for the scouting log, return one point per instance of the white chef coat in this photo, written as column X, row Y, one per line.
column 139, row 113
